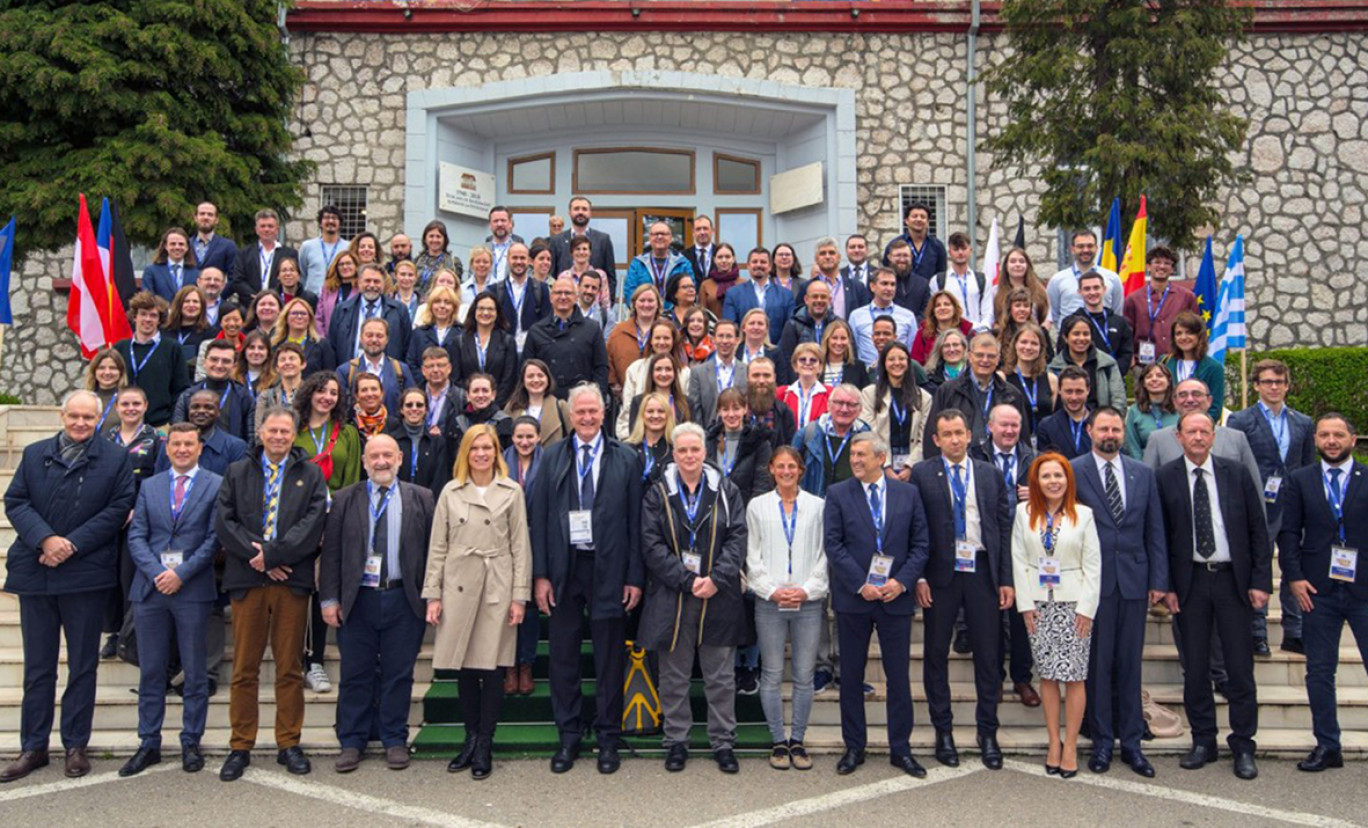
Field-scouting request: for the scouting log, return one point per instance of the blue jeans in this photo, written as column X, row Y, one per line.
column 1321, row 629
column 773, row 629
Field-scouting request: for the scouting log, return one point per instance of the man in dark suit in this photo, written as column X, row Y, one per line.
column 1012, row 458
column 847, row 293
column 974, row 393
column 257, row 265
column 1220, row 571
column 701, row 254
column 970, row 569
column 67, row 502
column 876, row 546
column 344, row 329
column 372, row 358
column 172, row 544
column 211, row 249
column 524, row 300
column 1066, row 430
column 570, row 345
column 857, row 267
column 1323, row 536
column 601, row 253
column 585, row 525
column 370, row 582
column 1130, row 528
column 1282, row 440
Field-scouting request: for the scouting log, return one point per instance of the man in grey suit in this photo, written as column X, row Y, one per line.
column 172, row 544
column 601, row 253
column 1130, row 528
column 721, row 371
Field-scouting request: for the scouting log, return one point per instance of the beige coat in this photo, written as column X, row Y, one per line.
column 479, row 562
column 879, row 423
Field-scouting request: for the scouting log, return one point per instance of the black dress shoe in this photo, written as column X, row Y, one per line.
column 192, row 760
column 1100, row 761
column 466, row 756
column 1138, row 763
column 677, row 758
column 962, row 645
column 908, row 765
column 1321, row 759
column 294, row 760
column 1198, row 757
column 608, row 761
column 234, row 765
column 565, row 756
column 945, row 749
column 850, row 760
column 140, row 761
column 110, row 648
column 482, row 765
column 990, row 752
column 1244, row 765
column 1261, row 648
column 1293, row 645
column 726, row 760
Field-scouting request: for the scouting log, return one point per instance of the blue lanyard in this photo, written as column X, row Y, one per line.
column 319, row 438
column 1149, row 301
column 585, row 469
column 833, row 455
column 691, row 507
column 1008, row 470
column 1033, row 394
column 483, row 350
column 1178, row 371
column 805, row 404
column 435, row 408
column 138, row 366
column 223, row 400
column 1278, row 425
column 1334, row 495
column 659, row 270
column 413, row 458
column 1047, row 538
column 790, row 524
column 1077, row 429
column 650, row 461
column 375, row 512
column 185, row 498
column 642, row 338
column 987, row 399
column 964, row 288
column 108, row 408
column 918, row 254
column 1101, row 329
column 500, row 254
column 817, row 328
column 1158, row 416
column 959, row 489
column 518, row 301
column 731, row 377
column 269, row 491
column 328, row 254
column 266, row 260
column 897, row 410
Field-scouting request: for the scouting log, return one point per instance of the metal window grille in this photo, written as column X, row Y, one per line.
column 351, row 201
column 931, row 196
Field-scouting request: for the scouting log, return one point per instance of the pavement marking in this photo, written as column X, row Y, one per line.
column 1192, row 798
column 12, row 794
column 361, row 802
column 837, row 799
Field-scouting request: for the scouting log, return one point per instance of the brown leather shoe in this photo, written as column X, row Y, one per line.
column 525, row 683
column 510, row 680
column 348, row 760
column 397, row 757
column 28, row 762
column 77, row 765
column 1027, row 694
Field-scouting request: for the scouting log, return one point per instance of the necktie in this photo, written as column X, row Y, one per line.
column 371, row 309
column 1334, row 484
column 587, row 479
column 176, row 276
column 1114, row 495
column 268, row 530
column 960, row 504
column 181, row 480
column 380, row 535
column 1006, row 462
column 875, row 509
column 1201, row 517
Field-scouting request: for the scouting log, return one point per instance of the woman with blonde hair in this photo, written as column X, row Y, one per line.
column 1023, row 364
column 839, row 362
column 662, row 377
column 338, row 286
column 481, row 274
column 477, row 585
column 436, row 325
column 651, row 435
column 297, row 324
column 1018, row 273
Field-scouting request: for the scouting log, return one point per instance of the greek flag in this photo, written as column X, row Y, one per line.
column 1228, row 323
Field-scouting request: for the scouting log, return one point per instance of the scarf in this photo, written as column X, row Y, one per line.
column 371, row 425
column 724, row 279
column 324, row 459
column 69, row 449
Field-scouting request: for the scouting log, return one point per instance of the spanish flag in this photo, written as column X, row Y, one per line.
column 1132, row 270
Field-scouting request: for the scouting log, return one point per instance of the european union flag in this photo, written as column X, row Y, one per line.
column 6, row 264
column 1206, row 287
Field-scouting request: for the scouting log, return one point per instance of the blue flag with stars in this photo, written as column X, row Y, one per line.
column 6, row 263
column 1206, row 286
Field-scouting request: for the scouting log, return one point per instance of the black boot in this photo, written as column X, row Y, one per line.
column 483, row 763
column 464, row 758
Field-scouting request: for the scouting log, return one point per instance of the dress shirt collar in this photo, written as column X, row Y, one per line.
column 1346, row 466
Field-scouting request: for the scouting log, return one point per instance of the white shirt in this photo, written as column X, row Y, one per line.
column 1346, row 468
column 1222, row 554
column 1115, row 463
column 598, row 461
column 767, row 551
column 965, row 289
column 881, row 491
column 1062, row 291
column 973, row 529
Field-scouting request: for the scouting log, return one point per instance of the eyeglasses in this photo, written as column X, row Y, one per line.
column 808, row 360
column 843, row 404
column 415, row 404
column 1273, row 382
column 1191, row 395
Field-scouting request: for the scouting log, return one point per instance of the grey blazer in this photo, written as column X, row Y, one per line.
column 703, row 390
column 1231, row 444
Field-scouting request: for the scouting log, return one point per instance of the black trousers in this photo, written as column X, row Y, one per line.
column 481, row 697
column 44, row 619
column 1114, row 666
column 974, row 592
column 566, row 637
column 1214, row 602
column 853, row 631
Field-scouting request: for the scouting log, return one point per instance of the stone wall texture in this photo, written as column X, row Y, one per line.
column 1302, row 214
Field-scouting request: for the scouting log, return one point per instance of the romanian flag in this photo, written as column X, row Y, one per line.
column 1110, row 255
column 1132, row 270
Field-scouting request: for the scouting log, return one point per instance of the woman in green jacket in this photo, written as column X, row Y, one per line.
column 1187, row 359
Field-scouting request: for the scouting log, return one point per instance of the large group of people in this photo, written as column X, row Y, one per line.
column 759, row 473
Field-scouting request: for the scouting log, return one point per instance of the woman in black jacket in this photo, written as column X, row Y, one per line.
column 424, row 452
column 488, row 348
column 740, row 447
column 839, row 362
column 481, row 407
column 651, row 434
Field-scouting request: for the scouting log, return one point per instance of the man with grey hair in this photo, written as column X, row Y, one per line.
column 67, row 502
column 847, row 292
column 258, row 264
column 656, row 266
column 974, row 393
column 825, row 442
column 694, row 543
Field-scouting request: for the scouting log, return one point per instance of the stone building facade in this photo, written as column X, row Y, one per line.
column 1302, row 214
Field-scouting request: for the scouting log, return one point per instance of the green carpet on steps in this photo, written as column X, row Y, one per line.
column 541, row 740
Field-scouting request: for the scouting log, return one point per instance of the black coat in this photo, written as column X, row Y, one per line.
column 574, row 352
column 501, row 362
column 430, row 468
column 1120, row 339
column 163, row 377
column 318, row 356
column 425, row 337
column 245, row 278
column 750, row 475
column 801, row 328
column 536, row 303
column 1309, row 527
column 616, row 519
column 960, row 393
column 995, row 520
column 345, row 545
column 237, row 409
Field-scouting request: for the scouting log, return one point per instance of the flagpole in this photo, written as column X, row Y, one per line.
column 1244, row 377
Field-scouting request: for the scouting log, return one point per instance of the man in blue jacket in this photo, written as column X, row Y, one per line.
column 69, row 498
column 172, row 543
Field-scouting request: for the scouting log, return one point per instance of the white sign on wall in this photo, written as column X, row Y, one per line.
column 797, row 188
column 464, row 191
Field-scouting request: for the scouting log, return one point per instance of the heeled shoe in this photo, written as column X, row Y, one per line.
column 1068, row 774
column 1051, row 770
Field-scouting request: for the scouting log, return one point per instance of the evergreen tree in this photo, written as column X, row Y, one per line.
column 1118, row 97
column 157, row 104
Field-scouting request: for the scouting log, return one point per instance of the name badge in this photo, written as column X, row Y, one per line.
column 1146, row 353
column 582, row 526
column 692, row 562
column 1271, row 489
column 171, row 559
column 900, row 461
column 880, row 570
column 1049, row 572
column 1343, row 563
column 966, row 557
column 370, row 577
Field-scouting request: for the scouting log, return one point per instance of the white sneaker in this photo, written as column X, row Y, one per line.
column 317, row 679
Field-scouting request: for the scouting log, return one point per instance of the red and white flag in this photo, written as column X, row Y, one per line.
column 89, row 315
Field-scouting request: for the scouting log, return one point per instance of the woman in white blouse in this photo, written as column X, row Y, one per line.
column 786, row 568
column 1057, row 567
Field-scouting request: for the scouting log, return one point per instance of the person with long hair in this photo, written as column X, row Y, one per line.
column 840, row 363
column 665, row 377
column 1187, row 359
column 1020, row 312
column 253, row 367
column 665, row 339
column 1107, row 385
column 486, row 347
column 581, row 250
column 1023, row 364
column 1057, row 570
column 723, row 275
column 1018, row 273
column 755, row 343
column 369, row 412
column 403, row 287
column 696, row 336
column 435, row 254
column 106, row 374
column 264, row 312
column 1154, row 408
column 541, row 261
column 628, row 340
column 681, row 293
column 482, row 277
column 786, row 568
column 232, row 318
column 173, row 267
column 187, row 322
column 424, row 458
column 896, row 409
column 806, row 396
column 338, row 286
column 949, row 359
column 477, row 586
column 943, row 313
column 651, row 435
column 366, row 248
column 435, row 325
column 788, row 270
column 481, row 407
column 524, row 459
column 535, row 397
column 297, row 324
column 740, row 445
column 287, row 371
column 445, row 278
column 288, row 282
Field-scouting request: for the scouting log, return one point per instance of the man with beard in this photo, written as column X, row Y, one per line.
column 928, row 254
column 523, row 300
column 401, row 250
column 501, row 237
column 393, row 373
column 212, row 281
column 601, row 244
column 770, row 412
column 914, row 289
column 211, row 249
column 316, row 254
column 1065, row 300
column 345, row 327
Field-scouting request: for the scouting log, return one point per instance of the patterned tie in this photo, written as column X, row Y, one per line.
column 268, row 530
column 587, row 481
column 380, row 535
column 176, row 276
column 180, row 491
column 1114, row 502
column 1006, row 462
column 1201, row 517
column 875, row 509
column 371, row 309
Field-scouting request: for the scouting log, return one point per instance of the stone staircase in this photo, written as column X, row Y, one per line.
column 1285, row 719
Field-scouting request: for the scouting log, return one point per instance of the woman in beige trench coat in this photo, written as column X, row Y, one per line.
column 479, row 577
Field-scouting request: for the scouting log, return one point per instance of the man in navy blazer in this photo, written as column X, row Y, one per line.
column 1282, row 440
column 876, row 546
column 1325, row 510
column 344, row 329
column 211, row 249
column 1134, row 575
column 746, row 295
column 257, row 266
column 524, row 300
column 969, row 569
column 172, row 544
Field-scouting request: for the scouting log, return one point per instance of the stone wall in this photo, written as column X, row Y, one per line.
column 1302, row 213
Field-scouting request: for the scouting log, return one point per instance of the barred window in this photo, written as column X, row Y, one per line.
column 351, row 201
column 932, row 196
